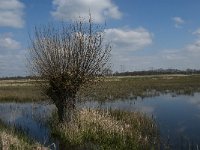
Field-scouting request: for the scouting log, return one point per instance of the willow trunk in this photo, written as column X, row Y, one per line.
column 66, row 110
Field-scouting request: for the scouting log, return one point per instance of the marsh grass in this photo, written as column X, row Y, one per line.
column 141, row 86
column 111, row 88
column 13, row 139
column 20, row 91
column 106, row 129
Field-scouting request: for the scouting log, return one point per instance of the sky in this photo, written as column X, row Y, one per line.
column 144, row 34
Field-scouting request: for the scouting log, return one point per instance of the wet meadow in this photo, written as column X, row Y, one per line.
column 132, row 112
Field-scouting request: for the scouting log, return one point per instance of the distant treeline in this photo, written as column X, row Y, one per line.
column 16, row 78
column 158, row 72
column 133, row 73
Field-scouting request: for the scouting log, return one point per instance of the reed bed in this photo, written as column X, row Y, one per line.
column 106, row 129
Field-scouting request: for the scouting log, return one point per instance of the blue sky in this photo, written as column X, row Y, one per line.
column 145, row 34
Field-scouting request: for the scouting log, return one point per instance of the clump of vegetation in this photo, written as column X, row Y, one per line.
column 101, row 129
column 10, row 139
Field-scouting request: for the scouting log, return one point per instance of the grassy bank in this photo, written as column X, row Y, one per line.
column 98, row 129
column 110, row 89
column 11, row 139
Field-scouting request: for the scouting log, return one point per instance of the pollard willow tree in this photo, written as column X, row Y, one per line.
column 65, row 57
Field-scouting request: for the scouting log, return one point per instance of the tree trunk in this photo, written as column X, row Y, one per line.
column 66, row 110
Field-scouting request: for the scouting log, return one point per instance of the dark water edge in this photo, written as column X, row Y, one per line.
column 178, row 117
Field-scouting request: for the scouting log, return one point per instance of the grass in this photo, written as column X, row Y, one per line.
column 19, row 91
column 101, row 129
column 131, row 87
column 111, row 89
column 12, row 139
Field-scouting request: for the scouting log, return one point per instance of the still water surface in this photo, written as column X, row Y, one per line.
column 31, row 118
column 178, row 117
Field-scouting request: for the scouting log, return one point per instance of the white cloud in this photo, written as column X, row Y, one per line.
column 125, row 42
column 172, row 54
column 12, row 57
column 8, row 43
column 12, row 64
column 194, row 47
column 11, row 13
column 72, row 9
column 128, row 39
column 197, row 32
column 180, row 58
column 178, row 22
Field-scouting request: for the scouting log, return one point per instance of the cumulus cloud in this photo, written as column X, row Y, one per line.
column 72, row 9
column 12, row 57
column 11, row 13
column 180, row 58
column 125, row 42
column 178, row 22
column 8, row 43
column 128, row 39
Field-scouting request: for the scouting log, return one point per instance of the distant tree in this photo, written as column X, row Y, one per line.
column 65, row 58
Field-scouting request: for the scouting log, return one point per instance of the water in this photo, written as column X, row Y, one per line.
column 30, row 118
column 178, row 117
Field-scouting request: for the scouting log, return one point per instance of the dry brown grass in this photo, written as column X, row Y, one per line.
column 108, row 130
column 10, row 141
